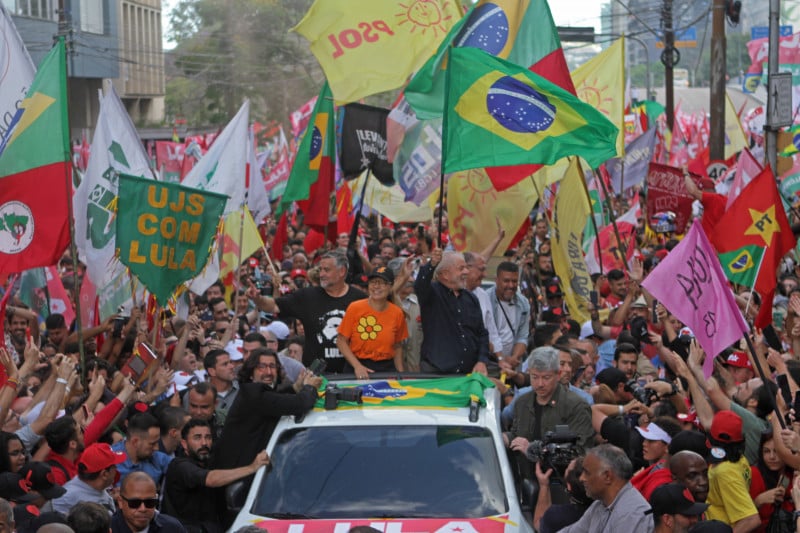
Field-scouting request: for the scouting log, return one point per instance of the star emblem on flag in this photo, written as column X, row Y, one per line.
column 764, row 224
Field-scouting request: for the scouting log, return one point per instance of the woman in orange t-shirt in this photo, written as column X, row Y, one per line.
column 372, row 331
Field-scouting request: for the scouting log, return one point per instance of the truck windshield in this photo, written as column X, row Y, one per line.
column 383, row 471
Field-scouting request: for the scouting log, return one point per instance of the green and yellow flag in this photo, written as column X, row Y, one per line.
column 418, row 393
column 499, row 113
column 165, row 231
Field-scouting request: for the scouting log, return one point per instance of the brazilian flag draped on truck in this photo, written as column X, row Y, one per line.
column 417, row 393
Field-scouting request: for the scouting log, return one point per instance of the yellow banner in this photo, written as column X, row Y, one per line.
column 370, row 46
column 569, row 218
column 736, row 140
column 474, row 206
column 600, row 82
column 232, row 237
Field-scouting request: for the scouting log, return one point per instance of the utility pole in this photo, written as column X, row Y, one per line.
column 770, row 129
column 65, row 30
column 718, row 71
column 669, row 58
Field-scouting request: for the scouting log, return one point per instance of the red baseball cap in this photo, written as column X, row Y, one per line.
column 99, row 456
column 739, row 360
column 298, row 272
column 726, row 427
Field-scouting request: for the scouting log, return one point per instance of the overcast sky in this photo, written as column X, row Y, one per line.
column 576, row 13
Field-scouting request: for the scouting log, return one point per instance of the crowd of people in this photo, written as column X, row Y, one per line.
column 90, row 442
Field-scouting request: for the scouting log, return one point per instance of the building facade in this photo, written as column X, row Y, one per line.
column 106, row 39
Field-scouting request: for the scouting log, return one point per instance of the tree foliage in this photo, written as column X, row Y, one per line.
column 228, row 50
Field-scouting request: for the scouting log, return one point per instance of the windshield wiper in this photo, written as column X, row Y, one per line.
column 289, row 516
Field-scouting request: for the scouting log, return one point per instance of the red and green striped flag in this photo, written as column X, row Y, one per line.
column 35, row 173
column 311, row 181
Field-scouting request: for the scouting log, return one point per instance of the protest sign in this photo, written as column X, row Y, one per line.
column 666, row 191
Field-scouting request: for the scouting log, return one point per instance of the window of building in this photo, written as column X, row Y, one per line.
column 93, row 16
column 40, row 9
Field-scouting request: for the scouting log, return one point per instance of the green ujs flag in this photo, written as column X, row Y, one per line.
column 499, row 113
column 741, row 265
column 165, row 231
column 441, row 393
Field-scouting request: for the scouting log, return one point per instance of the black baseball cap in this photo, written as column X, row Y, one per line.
column 674, row 498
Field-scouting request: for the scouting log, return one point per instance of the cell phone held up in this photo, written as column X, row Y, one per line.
column 594, row 298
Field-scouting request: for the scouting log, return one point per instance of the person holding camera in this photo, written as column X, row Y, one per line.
column 549, row 518
column 547, row 405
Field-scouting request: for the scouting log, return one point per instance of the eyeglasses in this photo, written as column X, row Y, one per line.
column 264, row 366
column 135, row 503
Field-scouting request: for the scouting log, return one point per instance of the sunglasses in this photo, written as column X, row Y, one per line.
column 135, row 503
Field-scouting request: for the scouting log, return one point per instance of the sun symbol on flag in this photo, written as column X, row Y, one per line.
column 477, row 183
column 596, row 96
column 424, row 14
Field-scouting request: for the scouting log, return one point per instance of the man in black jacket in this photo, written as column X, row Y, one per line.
column 189, row 493
column 261, row 402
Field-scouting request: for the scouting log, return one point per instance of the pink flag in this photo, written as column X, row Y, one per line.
column 747, row 169
column 691, row 285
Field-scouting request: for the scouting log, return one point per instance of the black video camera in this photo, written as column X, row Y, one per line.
column 646, row 396
column 556, row 450
column 334, row 394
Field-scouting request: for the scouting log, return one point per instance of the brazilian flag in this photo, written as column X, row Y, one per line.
column 440, row 393
column 499, row 113
column 794, row 147
column 741, row 265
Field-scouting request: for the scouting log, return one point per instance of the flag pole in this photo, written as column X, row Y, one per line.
column 594, row 224
column 73, row 249
column 750, row 298
column 614, row 225
column 441, row 205
column 351, row 241
column 764, row 379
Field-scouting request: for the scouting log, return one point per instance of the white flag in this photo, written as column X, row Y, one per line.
column 116, row 149
column 222, row 169
column 257, row 199
column 16, row 74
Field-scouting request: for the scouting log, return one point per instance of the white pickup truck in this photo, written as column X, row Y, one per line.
column 418, row 455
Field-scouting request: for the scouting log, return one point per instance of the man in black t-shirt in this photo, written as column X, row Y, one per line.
column 189, row 493
column 320, row 309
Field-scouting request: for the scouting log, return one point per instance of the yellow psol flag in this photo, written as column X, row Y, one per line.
column 474, row 206
column 735, row 140
column 233, row 237
column 370, row 46
column 569, row 218
column 600, row 82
